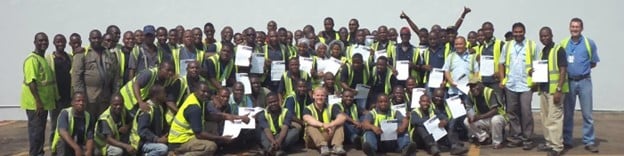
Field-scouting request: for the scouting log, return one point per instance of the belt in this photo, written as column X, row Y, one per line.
column 578, row 78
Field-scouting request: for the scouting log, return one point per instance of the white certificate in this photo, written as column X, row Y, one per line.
column 363, row 50
column 369, row 40
column 388, row 128
column 244, row 78
column 250, row 112
column 231, row 128
column 257, row 63
column 305, row 64
column 540, row 71
column 332, row 65
column 333, row 99
column 243, row 53
column 380, row 53
column 462, row 84
column 416, row 94
column 403, row 68
column 401, row 108
column 432, row 127
column 486, row 68
column 455, row 105
column 436, row 76
column 277, row 69
column 362, row 91
column 183, row 64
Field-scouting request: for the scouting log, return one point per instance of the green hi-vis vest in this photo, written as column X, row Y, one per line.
column 100, row 140
column 181, row 131
column 176, row 58
column 427, row 52
column 411, row 128
column 564, row 44
column 288, row 86
column 353, row 110
column 280, row 120
column 325, row 116
column 183, row 92
column 528, row 61
column 284, row 50
column 365, row 74
column 390, row 49
column 387, row 84
column 121, row 58
column 415, row 57
column 137, row 52
column 50, row 59
column 57, row 135
column 220, row 75
column 135, row 139
column 479, row 51
column 127, row 91
column 446, row 109
column 487, row 94
column 553, row 71
column 381, row 117
column 36, row 67
column 322, row 39
column 297, row 104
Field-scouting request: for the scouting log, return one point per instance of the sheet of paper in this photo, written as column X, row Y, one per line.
column 369, row 40
column 305, row 64
column 380, row 53
column 243, row 53
column 277, row 69
column 332, row 65
column 416, row 94
column 231, row 129
column 333, row 99
column 362, row 91
column 257, row 63
column 401, row 108
column 244, row 78
column 250, row 112
column 403, row 68
column 540, row 71
column 436, row 76
column 487, row 65
column 363, row 50
column 184, row 64
column 432, row 127
column 462, row 84
column 388, row 128
column 455, row 105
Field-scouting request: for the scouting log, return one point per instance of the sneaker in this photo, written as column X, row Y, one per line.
column 592, row 148
column 409, row 150
column 368, row 149
column 434, row 150
column 553, row 153
column 543, row 147
column 280, row 153
column 325, row 151
column 527, row 145
column 497, row 146
column 459, row 150
column 339, row 151
column 357, row 143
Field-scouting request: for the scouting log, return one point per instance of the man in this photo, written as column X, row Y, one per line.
column 410, row 84
column 354, row 26
column 96, row 73
column 582, row 57
column 353, row 74
column 39, row 93
column 359, row 42
column 172, row 40
column 393, row 35
column 433, row 57
column 124, row 54
column 418, row 117
column 275, row 123
column 383, row 78
column 329, row 34
column 398, row 97
column 451, row 123
column 518, row 57
column 552, row 94
column 149, row 128
column 148, row 55
column 137, row 91
column 320, row 129
column 291, row 76
column 112, row 129
column 271, row 26
column 75, row 42
column 139, row 37
column 161, row 35
column 226, row 37
column 298, row 35
column 187, row 53
column 508, row 36
column 406, row 52
column 491, row 47
column 238, row 39
column 273, row 52
column 485, row 112
column 60, row 63
column 209, row 42
column 220, row 69
column 180, row 88
column 297, row 103
column 197, row 39
column 74, row 134
column 383, row 43
column 261, row 38
column 220, row 111
column 330, row 85
column 258, row 92
column 459, row 67
column 180, row 29
column 114, row 30
column 352, row 126
column 238, row 98
column 372, row 123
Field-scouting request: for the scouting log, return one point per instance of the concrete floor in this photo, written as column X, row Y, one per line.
column 609, row 126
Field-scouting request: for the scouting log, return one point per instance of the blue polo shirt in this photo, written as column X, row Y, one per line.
column 581, row 64
column 436, row 57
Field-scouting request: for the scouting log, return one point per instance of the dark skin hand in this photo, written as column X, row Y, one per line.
column 478, row 117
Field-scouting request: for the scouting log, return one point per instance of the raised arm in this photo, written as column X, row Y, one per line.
column 411, row 23
column 461, row 18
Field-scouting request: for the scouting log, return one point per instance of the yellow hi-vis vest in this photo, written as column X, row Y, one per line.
column 135, row 138
column 446, row 109
column 427, row 52
column 415, row 57
column 183, row 91
column 220, row 75
column 176, row 58
column 45, row 78
column 564, row 44
column 297, row 110
column 365, row 75
column 528, row 61
column 121, row 58
column 353, row 110
column 280, row 120
column 288, row 86
column 420, row 114
column 57, row 135
column 387, row 84
column 181, row 131
column 487, row 94
column 553, row 71
column 496, row 50
column 127, row 91
column 100, row 140
column 336, row 38
column 381, row 117
column 390, row 49
column 325, row 116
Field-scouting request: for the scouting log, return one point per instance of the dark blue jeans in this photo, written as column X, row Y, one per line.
column 36, row 131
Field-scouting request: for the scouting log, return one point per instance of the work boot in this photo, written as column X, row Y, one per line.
column 368, row 149
column 592, row 148
column 527, row 145
column 458, row 150
column 543, row 147
column 409, row 149
column 434, row 150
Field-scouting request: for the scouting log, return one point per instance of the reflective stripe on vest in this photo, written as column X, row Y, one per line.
column 380, row 117
column 312, row 109
column 426, row 57
column 446, row 109
column 266, row 52
column 288, row 86
column 127, row 91
column 365, row 74
column 564, row 44
column 221, row 75
column 100, row 140
column 57, row 135
column 297, row 105
column 487, row 94
column 135, row 138
column 387, row 84
column 419, row 113
column 176, row 58
column 280, row 120
column 353, row 110
column 553, row 71
column 181, row 131
column 528, row 61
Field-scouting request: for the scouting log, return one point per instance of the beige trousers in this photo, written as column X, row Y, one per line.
column 552, row 119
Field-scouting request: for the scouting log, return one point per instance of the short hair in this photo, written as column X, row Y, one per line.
column 111, row 27
column 576, row 19
column 161, row 28
column 508, row 34
column 518, row 24
column 74, row 35
column 304, row 41
column 328, row 18
column 338, row 42
column 208, row 24
column 487, row 23
column 382, row 58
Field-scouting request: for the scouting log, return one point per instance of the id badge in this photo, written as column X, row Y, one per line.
column 570, row 58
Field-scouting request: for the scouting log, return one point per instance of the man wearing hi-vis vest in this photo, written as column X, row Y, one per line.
column 352, row 125
column 320, row 129
column 450, row 124
column 372, row 123
column 419, row 134
column 112, row 129
column 485, row 111
column 277, row 136
column 136, row 91
column 149, row 128
column 219, row 69
column 74, row 130
column 517, row 60
column 181, row 87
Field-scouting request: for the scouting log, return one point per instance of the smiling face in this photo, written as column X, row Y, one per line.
column 116, row 104
column 383, row 103
column 347, row 98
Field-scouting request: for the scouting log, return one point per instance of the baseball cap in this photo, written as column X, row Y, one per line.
column 473, row 81
column 149, row 29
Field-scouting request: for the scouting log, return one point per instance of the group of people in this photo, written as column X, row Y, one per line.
column 158, row 91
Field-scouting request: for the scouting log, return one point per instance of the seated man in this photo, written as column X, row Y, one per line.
column 74, row 131
column 275, row 123
column 149, row 130
column 291, row 76
column 112, row 130
column 238, row 98
column 451, row 139
column 181, row 87
column 420, row 136
column 399, row 97
column 222, row 111
column 320, row 129
column 372, row 125
column 352, row 125
column 258, row 92
column 297, row 102
column 485, row 112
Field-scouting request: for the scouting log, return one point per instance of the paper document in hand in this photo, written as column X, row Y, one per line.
column 333, row 99
column 403, row 68
column 243, row 53
column 436, row 76
column 244, row 78
column 363, row 50
column 332, row 65
column 462, row 84
column 305, row 64
column 486, row 68
column 432, row 127
column 184, row 64
column 402, row 108
column 362, row 91
column 455, row 105
column 380, row 53
column 231, row 129
column 250, row 112
column 416, row 94
column 257, row 63
column 388, row 128
column 277, row 69
column 540, row 71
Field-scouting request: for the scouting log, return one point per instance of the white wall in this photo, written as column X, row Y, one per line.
column 23, row 18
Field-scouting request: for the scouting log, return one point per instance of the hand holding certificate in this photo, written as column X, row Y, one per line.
column 388, row 128
column 403, row 68
column 305, row 64
column 436, row 77
column 277, row 69
column 243, row 53
column 362, row 91
column 416, row 94
column 455, row 105
column 432, row 127
column 244, row 78
column 540, row 71
column 487, row 65
column 332, row 65
column 257, row 63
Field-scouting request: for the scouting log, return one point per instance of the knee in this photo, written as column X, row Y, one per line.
column 114, row 151
column 498, row 120
column 466, row 122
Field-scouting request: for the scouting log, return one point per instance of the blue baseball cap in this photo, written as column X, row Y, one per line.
column 149, row 29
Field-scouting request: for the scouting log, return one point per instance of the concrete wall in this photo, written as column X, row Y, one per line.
column 23, row 18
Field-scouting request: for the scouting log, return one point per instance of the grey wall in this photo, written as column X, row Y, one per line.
column 23, row 18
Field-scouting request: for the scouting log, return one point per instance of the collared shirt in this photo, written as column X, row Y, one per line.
column 580, row 64
column 517, row 77
column 264, row 123
column 459, row 67
column 245, row 102
column 480, row 104
column 488, row 50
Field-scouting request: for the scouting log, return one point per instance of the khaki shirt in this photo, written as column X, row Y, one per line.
column 95, row 74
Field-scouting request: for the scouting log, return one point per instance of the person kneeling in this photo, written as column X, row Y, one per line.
column 149, row 128
column 485, row 112
column 74, row 131
column 372, row 122
column 275, row 123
